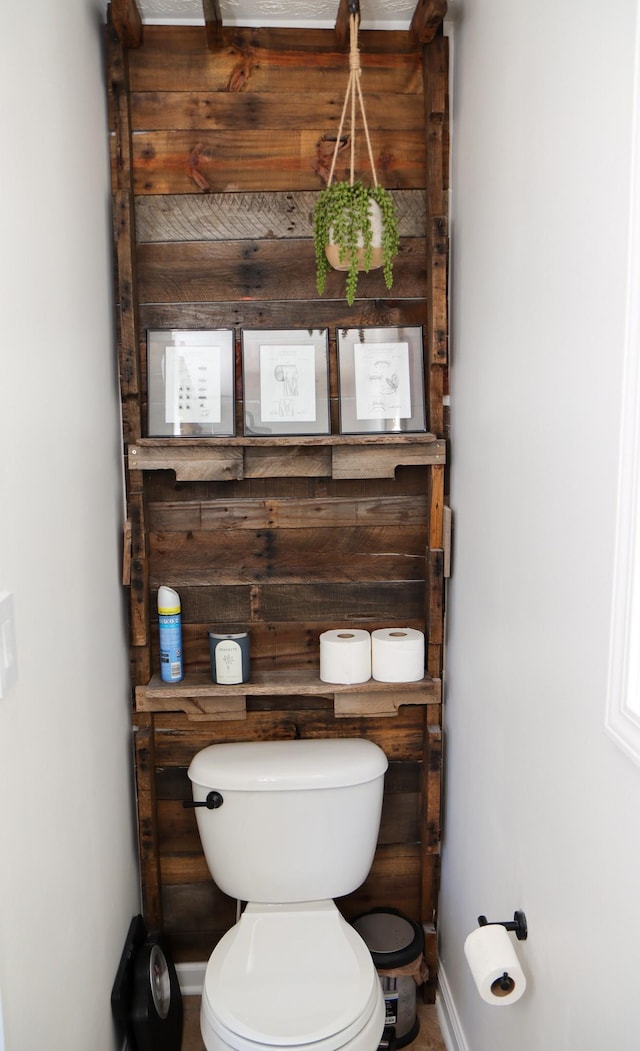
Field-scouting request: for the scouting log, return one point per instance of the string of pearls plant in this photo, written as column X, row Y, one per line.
column 354, row 226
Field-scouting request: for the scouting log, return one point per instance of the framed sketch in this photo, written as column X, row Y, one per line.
column 381, row 380
column 190, row 383
column 285, row 376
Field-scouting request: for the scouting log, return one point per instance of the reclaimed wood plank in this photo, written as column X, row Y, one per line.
column 436, row 391
column 382, row 462
column 237, row 111
column 126, row 306
column 288, row 682
column 381, row 704
column 310, row 602
column 140, row 664
column 195, row 706
column 283, row 314
column 170, row 162
column 343, row 24
column 427, row 20
column 283, row 645
column 125, row 16
column 126, row 553
column 436, row 102
column 435, row 596
column 287, row 513
column 144, row 747
column 430, row 987
column 199, row 463
column 139, row 572
column 196, row 914
column 436, row 534
column 301, row 461
column 118, row 110
column 162, row 486
column 438, row 270
column 260, row 270
column 177, row 740
column 213, row 24
column 431, row 791
column 242, row 556
column 270, row 60
column 224, row 217
column 123, row 221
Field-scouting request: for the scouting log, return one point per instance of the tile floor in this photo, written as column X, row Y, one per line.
column 428, row 1039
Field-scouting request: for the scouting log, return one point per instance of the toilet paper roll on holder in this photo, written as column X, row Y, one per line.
column 505, row 985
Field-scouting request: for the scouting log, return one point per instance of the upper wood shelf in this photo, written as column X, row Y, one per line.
column 200, row 698
column 326, row 456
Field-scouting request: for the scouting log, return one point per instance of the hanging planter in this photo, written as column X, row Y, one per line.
column 354, row 226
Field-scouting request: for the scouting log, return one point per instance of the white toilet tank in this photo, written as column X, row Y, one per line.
column 298, row 820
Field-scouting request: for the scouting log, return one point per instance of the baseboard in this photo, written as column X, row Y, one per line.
column 448, row 1019
column 191, row 977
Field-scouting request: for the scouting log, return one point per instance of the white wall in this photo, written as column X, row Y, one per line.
column 542, row 807
column 68, row 875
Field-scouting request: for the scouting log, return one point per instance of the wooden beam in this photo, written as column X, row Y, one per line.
column 345, row 9
column 126, row 21
column 144, row 747
column 213, row 23
column 427, row 19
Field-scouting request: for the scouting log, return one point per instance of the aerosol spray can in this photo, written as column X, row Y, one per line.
column 170, row 625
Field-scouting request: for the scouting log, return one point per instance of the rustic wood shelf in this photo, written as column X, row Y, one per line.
column 330, row 456
column 200, row 698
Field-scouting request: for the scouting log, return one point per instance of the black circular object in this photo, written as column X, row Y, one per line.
column 156, row 1008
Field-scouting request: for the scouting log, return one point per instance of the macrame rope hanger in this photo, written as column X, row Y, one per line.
column 353, row 92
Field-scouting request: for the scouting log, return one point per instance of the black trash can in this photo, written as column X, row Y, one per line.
column 396, row 945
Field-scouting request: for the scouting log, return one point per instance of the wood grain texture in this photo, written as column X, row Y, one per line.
column 427, row 19
column 218, row 155
column 263, row 61
column 227, row 111
column 126, row 21
column 252, row 216
column 204, row 271
column 144, row 745
column 170, row 162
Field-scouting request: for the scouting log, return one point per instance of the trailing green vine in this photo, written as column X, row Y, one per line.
column 341, row 217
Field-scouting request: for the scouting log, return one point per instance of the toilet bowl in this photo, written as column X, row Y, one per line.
column 296, row 826
column 288, row 977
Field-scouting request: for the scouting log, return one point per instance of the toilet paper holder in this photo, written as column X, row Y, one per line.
column 518, row 924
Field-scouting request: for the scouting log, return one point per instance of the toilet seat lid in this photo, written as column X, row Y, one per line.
column 290, row 975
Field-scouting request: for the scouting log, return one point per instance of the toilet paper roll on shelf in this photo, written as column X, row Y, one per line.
column 397, row 655
column 494, row 965
column 345, row 656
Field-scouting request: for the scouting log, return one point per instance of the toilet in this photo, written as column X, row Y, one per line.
column 287, row 826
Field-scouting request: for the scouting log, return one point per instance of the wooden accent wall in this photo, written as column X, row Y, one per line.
column 217, row 159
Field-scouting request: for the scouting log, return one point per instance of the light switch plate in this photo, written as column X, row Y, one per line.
column 8, row 651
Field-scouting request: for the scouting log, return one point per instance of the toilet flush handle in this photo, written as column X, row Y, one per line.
column 212, row 802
